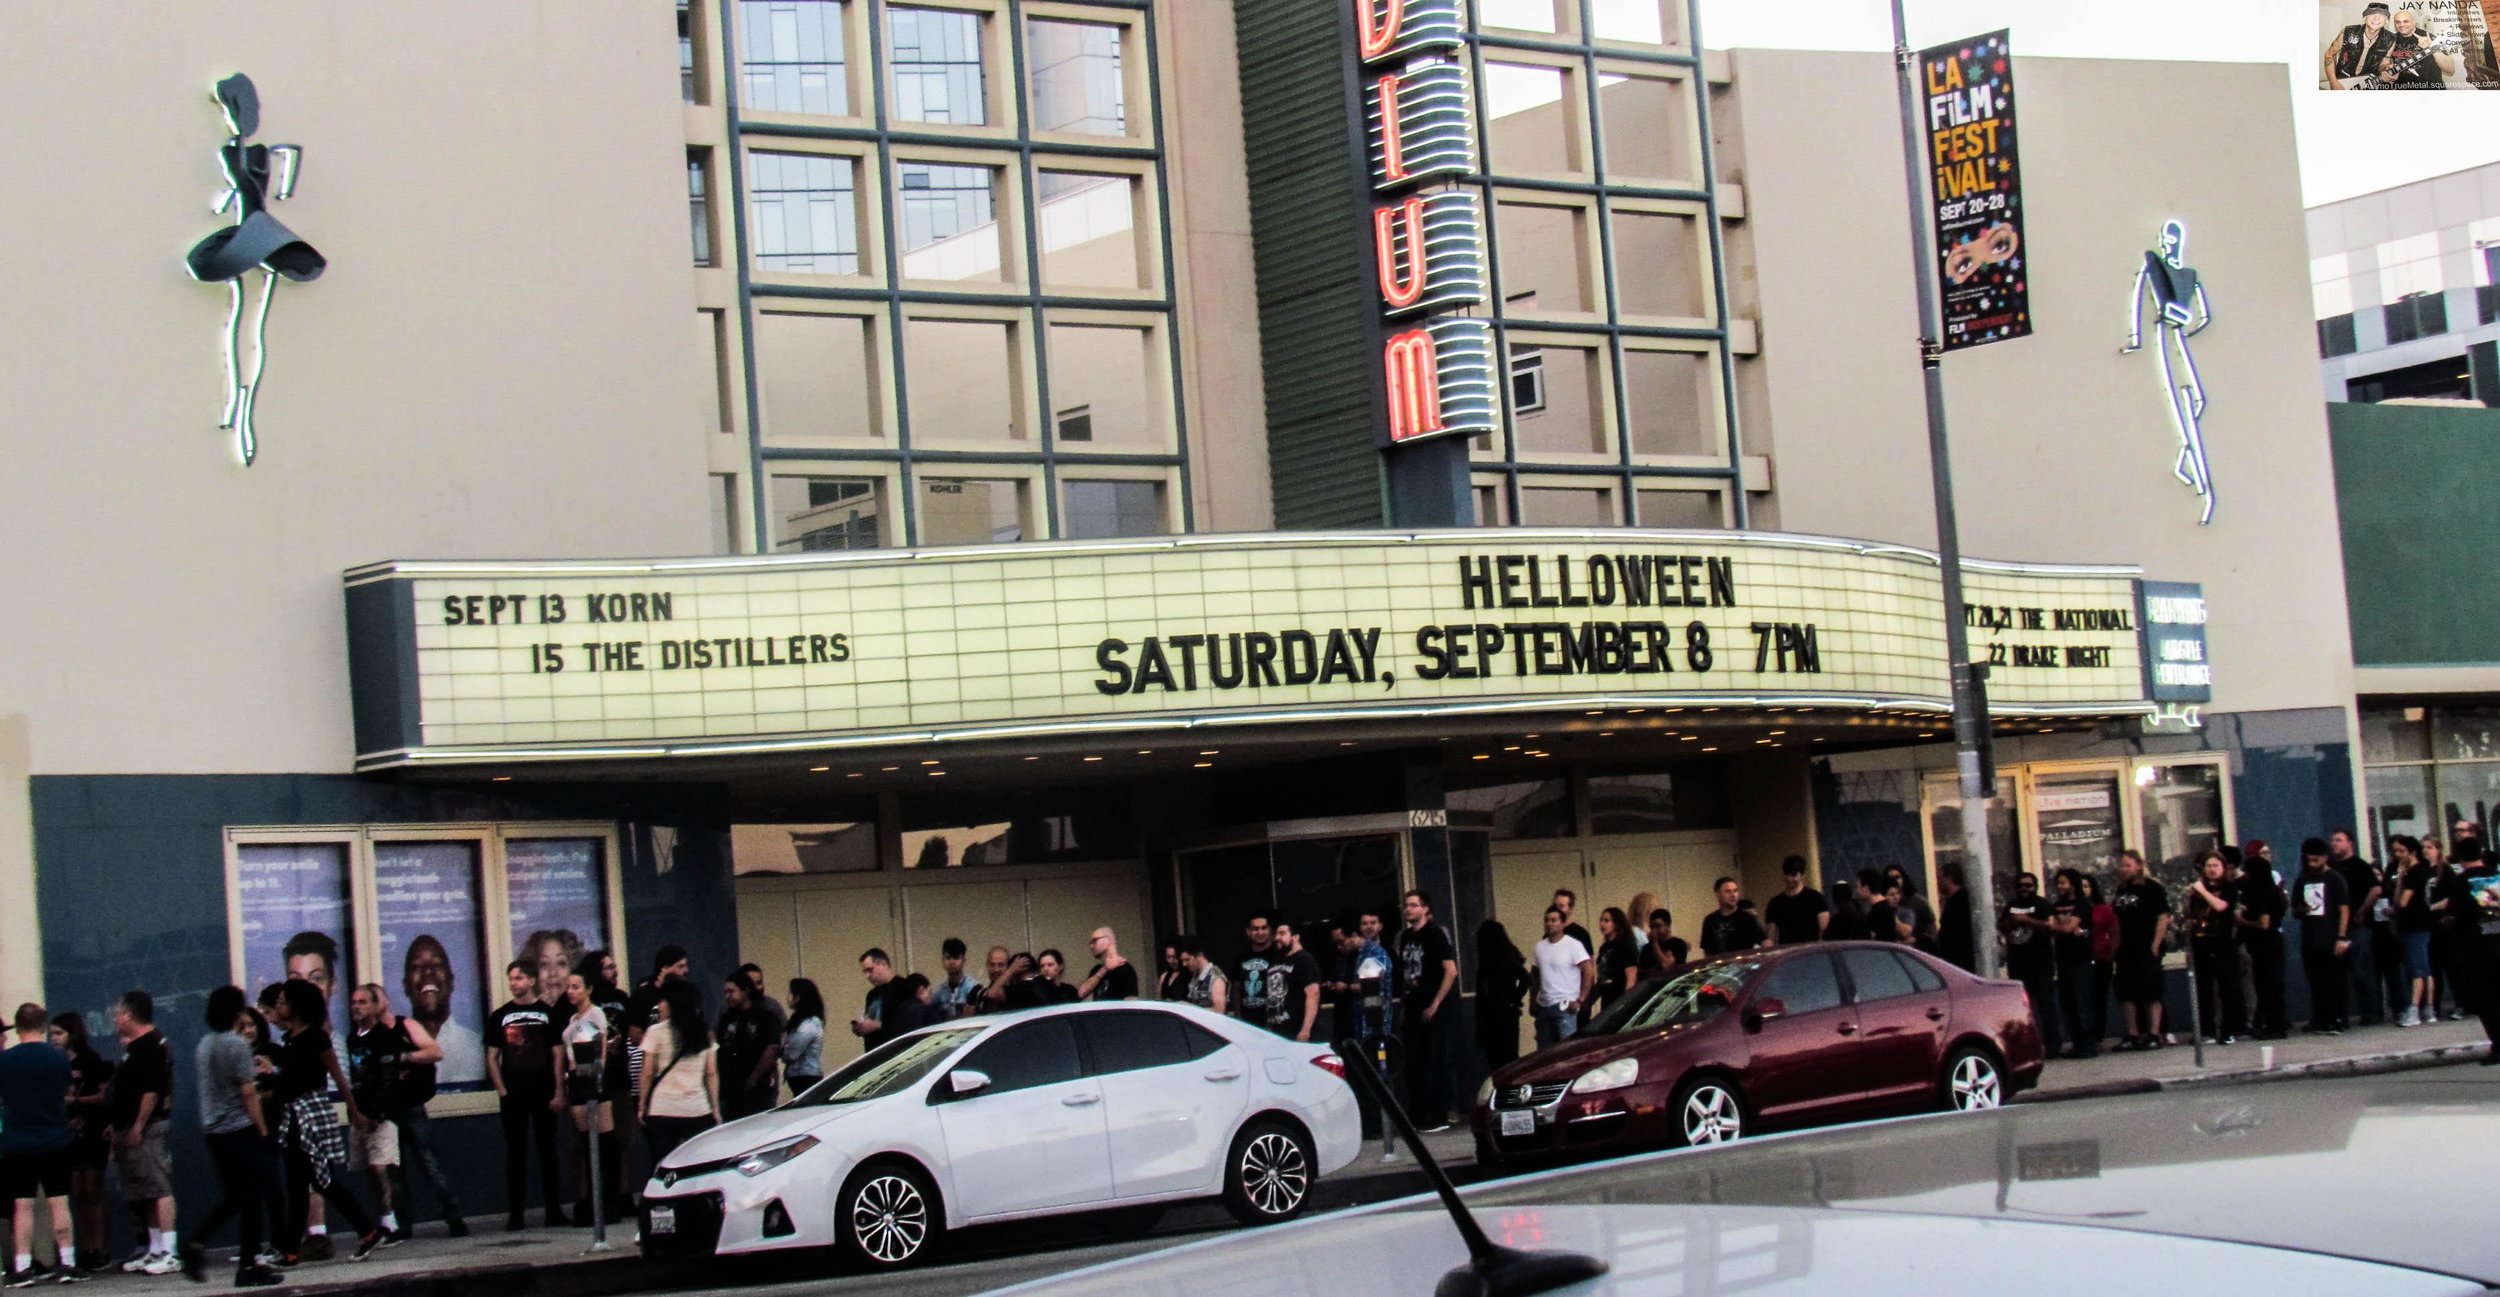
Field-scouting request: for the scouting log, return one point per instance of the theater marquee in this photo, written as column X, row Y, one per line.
column 480, row 662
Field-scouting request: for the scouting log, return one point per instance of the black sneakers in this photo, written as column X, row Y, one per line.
column 257, row 1276
column 459, row 1228
column 366, row 1243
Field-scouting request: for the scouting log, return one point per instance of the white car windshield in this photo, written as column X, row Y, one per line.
column 889, row 1068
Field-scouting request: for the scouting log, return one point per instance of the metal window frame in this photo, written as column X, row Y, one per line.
column 1027, row 154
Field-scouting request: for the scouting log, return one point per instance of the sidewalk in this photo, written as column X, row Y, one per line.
column 552, row 1263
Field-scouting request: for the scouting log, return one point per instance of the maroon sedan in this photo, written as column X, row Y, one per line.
column 1799, row 1036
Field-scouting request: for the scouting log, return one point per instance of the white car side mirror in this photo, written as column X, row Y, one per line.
column 963, row 1082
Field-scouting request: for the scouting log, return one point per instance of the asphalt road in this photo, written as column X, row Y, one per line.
column 1002, row 1256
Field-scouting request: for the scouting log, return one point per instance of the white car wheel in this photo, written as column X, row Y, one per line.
column 1972, row 1082
column 1268, row 1178
column 887, row 1216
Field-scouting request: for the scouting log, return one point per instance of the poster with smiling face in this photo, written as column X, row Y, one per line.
column 2408, row 45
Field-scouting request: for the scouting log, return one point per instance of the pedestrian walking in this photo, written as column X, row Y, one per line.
column 2143, row 910
column 1799, row 913
column 2213, row 908
column 140, row 1107
column 2029, row 927
column 521, row 1063
column 237, row 1129
column 1427, row 962
column 2322, row 904
column 311, row 1143
column 681, row 1088
column 1502, row 985
column 35, row 1138
column 90, row 1148
column 803, row 1040
column 2263, row 906
column 1565, row 974
column 2070, row 945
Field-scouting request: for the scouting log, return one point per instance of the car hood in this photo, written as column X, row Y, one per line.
column 747, row 1134
column 1758, row 1251
column 1567, row 1060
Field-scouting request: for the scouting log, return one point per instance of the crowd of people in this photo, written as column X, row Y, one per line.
column 626, row 1075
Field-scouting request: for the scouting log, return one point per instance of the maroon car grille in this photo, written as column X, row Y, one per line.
column 1529, row 1096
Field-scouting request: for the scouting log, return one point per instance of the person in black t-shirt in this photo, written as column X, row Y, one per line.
column 2143, row 909
column 2323, row 904
column 1875, row 904
column 521, row 1043
column 1113, row 978
column 2366, row 999
column 1729, row 928
column 2260, row 922
column 1292, row 987
column 1799, row 913
column 1427, row 962
column 1957, row 938
column 1848, row 910
column 2070, row 945
column 2029, row 925
column 1250, row 972
column 1666, row 952
column 2213, row 903
column 2414, row 925
column 750, row 1047
column 90, row 1148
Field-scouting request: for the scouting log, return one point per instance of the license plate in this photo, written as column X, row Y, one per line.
column 663, row 1220
column 1518, row 1123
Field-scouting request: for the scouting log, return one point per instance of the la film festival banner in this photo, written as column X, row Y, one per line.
column 1977, row 183
column 2412, row 45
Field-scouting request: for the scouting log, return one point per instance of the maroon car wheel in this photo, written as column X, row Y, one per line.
column 1972, row 1080
column 1707, row 1110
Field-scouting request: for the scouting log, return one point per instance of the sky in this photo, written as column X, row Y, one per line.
column 2349, row 143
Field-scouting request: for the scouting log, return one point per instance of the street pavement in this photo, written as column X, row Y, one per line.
column 553, row 1263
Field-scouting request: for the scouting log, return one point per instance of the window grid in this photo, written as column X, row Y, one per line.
column 792, row 57
column 1626, row 476
column 895, row 124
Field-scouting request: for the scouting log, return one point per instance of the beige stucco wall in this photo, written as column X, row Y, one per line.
column 2062, row 446
column 496, row 364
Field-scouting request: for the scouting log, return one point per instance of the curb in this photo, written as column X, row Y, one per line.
column 2405, row 1060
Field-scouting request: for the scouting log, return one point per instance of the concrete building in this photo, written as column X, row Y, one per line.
column 2406, row 284
column 973, row 512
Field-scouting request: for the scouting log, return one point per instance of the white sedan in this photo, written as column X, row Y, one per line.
column 1119, row 1106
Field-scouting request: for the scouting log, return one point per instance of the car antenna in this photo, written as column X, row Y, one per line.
column 1491, row 1270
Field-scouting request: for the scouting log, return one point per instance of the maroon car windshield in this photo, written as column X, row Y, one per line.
column 1694, row 996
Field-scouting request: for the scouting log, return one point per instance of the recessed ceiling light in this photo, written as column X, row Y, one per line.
column 818, row 770
column 1032, row 758
column 1636, row 711
column 1093, row 758
column 1605, row 734
column 1692, row 738
column 1512, row 748
column 1531, row 736
column 1762, row 741
column 1777, row 733
column 1145, row 752
column 503, row 779
column 928, row 763
column 855, row 775
column 1481, row 756
column 937, row 774
column 1709, row 749
column 1345, row 743
column 1202, row 765
column 1210, row 752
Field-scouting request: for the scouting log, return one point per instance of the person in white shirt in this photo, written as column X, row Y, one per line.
column 1565, row 975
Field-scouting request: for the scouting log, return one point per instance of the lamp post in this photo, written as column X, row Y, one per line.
column 1970, row 717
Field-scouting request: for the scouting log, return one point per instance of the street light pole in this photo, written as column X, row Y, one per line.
column 1970, row 721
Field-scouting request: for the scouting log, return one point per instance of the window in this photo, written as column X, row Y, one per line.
column 687, row 83
column 1803, row 984
column 710, row 330
column 1539, row 808
column 804, row 212
column 2416, row 315
column 1533, row 120
column 1105, row 510
column 1546, row 256
column 1089, row 224
column 2180, row 809
column 972, row 511
column 1024, row 1057
column 1671, row 399
column 1527, row 380
column 724, row 502
column 1658, row 265
column 845, row 847
column 813, row 514
column 1577, row 399
column 1135, row 1040
column 2486, row 305
column 1111, row 371
column 965, row 380
column 1686, row 509
column 2336, row 338
column 1877, row 975
column 1076, row 423
column 1566, row 506
column 1077, row 81
column 1921, row 975
column 1644, row 21
column 1648, row 127
column 936, row 56
column 1031, row 828
column 1489, row 504
column 449, row 904
column 818, row 376
column 699, row 202
column 1632, row 803
column 949, row 222
column 793, row 60
column 1519, row 15
column 2427, row 767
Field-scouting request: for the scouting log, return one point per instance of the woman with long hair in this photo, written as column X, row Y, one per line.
column 2104, row 955
column 803, row 1040
column 681, row 1086
column 309, row 1135
column 2213, row 910
column 1501, row 991
column 88, row 1144
column 1172, row 983
column 592, row 1072
column 2263, row 904
column 1618, row 959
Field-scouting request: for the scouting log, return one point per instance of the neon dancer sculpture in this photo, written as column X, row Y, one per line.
column 2179, row 302
column 256, row 241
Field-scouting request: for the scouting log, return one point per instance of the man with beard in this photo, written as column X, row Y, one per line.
column 426, row 978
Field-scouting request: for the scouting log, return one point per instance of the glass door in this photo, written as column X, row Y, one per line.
column 1944, row 831
column 2078, row 819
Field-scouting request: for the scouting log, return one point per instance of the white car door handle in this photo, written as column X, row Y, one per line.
column 1225, row 1074
column 1080, row 1100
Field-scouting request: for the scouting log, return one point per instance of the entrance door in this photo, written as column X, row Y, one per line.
column 835, row 926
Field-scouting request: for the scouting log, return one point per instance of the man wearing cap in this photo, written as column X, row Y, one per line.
column 2359, row 50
